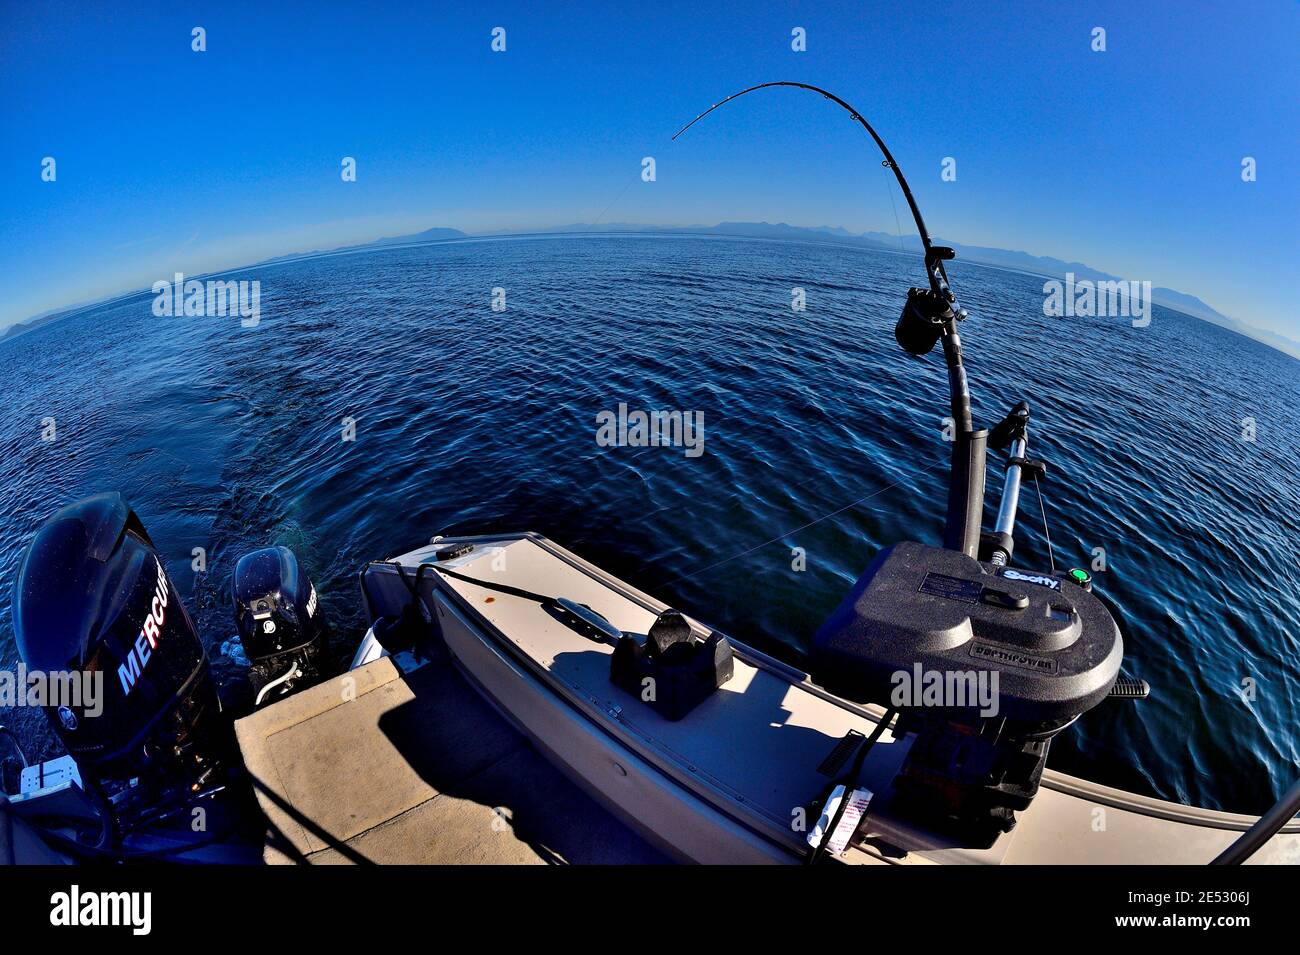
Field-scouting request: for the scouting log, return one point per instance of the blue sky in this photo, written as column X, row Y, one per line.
column 170, row 160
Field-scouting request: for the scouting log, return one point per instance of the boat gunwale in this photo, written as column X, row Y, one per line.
column 652, row 758
column 1063, row 783
column 650, row 751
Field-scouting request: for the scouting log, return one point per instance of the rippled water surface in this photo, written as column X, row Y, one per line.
column 470, row 420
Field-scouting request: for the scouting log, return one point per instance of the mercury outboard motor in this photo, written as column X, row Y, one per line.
column 95, row 614
column 277, row 613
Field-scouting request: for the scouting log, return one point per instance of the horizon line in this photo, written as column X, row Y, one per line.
column 68, row 311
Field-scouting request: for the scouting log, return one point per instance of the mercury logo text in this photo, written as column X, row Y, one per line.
column 142, row 650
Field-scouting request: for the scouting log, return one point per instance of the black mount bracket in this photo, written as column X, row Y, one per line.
column 1010, row 428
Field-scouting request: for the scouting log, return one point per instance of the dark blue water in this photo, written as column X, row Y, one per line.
column 470, row 420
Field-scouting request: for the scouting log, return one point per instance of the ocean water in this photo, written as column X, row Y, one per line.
column 819, row 433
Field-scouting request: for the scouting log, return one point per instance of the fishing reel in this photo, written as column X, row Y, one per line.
column 921, row 324
column 1038, row 649
column 927, row 312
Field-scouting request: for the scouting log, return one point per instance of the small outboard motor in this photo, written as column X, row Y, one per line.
column 95, row 614
column 277, row 613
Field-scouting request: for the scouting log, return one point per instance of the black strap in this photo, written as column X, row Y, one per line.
column 1030, row 467
column 847, row 781
column 417, row 600
column 499, row 588
column 414, row 588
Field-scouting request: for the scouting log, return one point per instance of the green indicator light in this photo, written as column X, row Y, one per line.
column 1080, row 576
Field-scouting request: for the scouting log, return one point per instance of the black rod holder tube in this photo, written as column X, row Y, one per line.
column 965, row 516
column 966, row 492
column 958, row 387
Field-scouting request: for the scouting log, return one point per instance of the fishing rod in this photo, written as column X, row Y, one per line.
column 938, row 277
column 929, row 316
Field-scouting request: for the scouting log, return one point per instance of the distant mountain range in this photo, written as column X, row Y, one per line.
column 1002, row 258
column 428, row 235
column 21, row 328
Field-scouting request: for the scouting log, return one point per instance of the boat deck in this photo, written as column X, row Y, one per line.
column 381, row 766
column 389, row 763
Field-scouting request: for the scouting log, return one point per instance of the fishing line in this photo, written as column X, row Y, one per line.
column 1051, row 558
column 898, row 225
column 726, row 500
column 613, row 202
column 934, row 271
column 796, row 530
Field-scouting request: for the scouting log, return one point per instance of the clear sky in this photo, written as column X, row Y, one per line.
column 171, row 160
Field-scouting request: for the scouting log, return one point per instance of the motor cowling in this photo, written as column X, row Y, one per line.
column 277, row 614
column 94, row 609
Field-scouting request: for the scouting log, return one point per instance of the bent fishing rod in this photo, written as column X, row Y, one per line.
column 934, row 266
column 926, row 319
column 930, row 315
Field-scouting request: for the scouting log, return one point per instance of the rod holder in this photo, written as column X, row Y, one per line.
column 966, row 492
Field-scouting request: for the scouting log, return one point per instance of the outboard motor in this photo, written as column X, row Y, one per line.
column 96, row 615
column 277, row 613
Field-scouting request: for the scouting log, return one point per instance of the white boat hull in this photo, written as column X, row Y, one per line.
column 727, row 783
